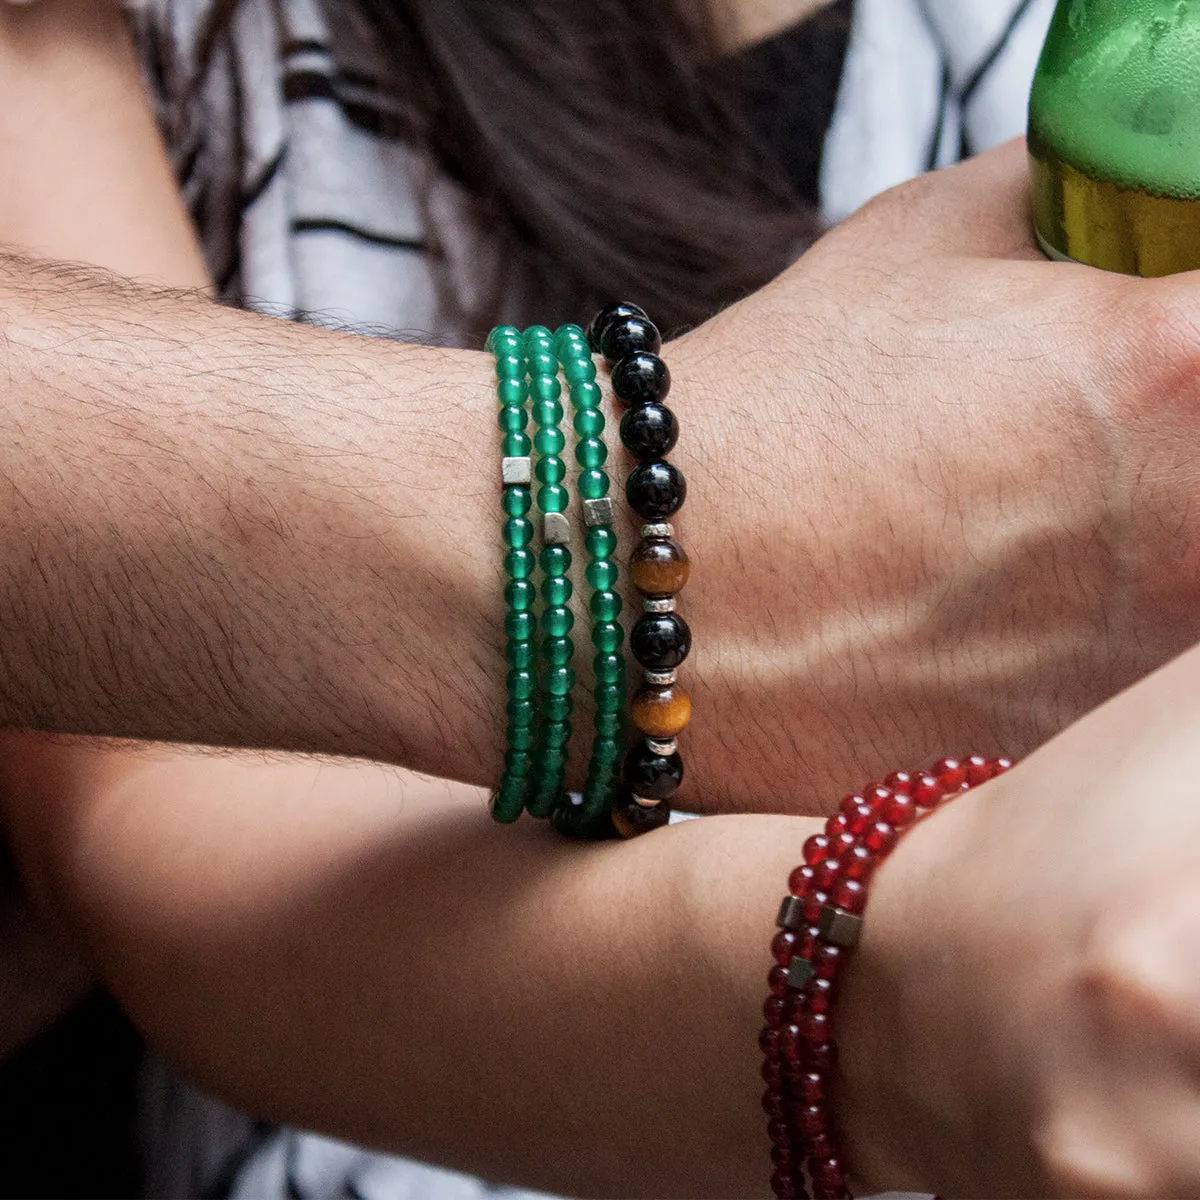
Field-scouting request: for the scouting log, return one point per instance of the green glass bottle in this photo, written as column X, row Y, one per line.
column 1114, row 135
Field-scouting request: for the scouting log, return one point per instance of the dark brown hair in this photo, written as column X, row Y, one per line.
column 603, row 143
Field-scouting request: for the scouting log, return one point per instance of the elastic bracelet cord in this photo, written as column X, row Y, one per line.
column 520, row 625
column 660, row 639
column 590, row 818
column 820, row 922
column 558, row 649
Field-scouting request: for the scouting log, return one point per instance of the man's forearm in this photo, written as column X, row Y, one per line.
column 217, row 527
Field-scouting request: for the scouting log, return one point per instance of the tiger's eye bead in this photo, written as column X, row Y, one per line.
column 649, row 432
column 660, row 641
column 641, row 378
column 661, row 712
column 652, row 776
column 656, row 490
column 629, row 335
column 659, row 567
column 606, row 316
column 632, row 819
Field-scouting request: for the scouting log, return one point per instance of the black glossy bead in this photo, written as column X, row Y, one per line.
column 656, row 490
column 629, row 335
column 652, row 776
column 660, row 641
column 649, row 431
column 640, row 378
column 606, row 316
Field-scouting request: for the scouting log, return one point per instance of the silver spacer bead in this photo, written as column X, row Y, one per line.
column 840, row 927
column 658, row 530
column 598, row 512
column 556, row 529
column 666, row 605
column 661, row 678
column 516, row 470
column 791, row 914
column 665, row 749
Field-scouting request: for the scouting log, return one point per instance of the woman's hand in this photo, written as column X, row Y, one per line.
column 1023, row 1016
column 942, row 495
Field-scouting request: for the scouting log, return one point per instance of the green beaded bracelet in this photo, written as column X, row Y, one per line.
column 558, row 648
column 591, row 816
column 520, row 624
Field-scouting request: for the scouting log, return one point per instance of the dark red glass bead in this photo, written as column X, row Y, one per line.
column 783, row 1187
column 926, row 791
column 794, row 1006
column 850, row 895
column 793, row 1070
column 826, row 960
column 813, row 1088
column 849, row 804
column 777, row 980
column 820, row 1146
column 860, row 819
column 820, row 1058
column 813, row 903
column 774, row 1105
column 810, row 1119
column 816, row 849
column 818, row 996
column 836, row 825
column 790, row 1044
column 783, row 946
column 979, row 770
column 799, row 880
column 881, row 838
column 808, row 942
column 779, row 1133
column 949, row 772
column 772, row 1073
column 829, row 1171
column 816, row 1029
column 768, row 1042
column 898, row 781
column 825, row 874
column 773, row 1009
column 859, row 864
column 1000, row 765
column 876, row 796
column 783, row 1158
column 839, row 845
column 824, row 1191
column 899, row 811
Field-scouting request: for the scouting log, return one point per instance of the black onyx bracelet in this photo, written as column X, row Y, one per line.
column 656, row 489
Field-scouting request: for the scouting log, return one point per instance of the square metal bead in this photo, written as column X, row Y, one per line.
column 556, row 529
column 791, row 914
column 598, row 512
column 799, row 972
column 840, row 927
column 517, row 470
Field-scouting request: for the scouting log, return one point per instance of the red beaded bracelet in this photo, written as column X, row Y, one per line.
column 819, row 923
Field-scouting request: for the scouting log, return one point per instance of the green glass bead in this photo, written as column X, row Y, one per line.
column 550, row 440
column 545, row 388
column 521, row 655
column 605, row 606
column 560, row 680
column 557, row 591
column 520, row 626
column 555, row 734
column 521, row 737
column 593, row 484
column 590, row 452
column 518, row 762
column 512, row 419
column 568, row 329
column 512, row 392
column 553, row 497
column 579, row 370
column 541, row 363
column 558, row 622
column 521, row 712
column 502, row 333
column 555, row 560
column 606, row 750
column 557, row 650
column 510, row 366
column 519, row 564
column 547, row 412
column 517, row 500
column 521, row 684
column 558, row 708
column 589, row 422
column 602, row 574
column 610, row 697
column 551, row 760
column 601, row 541
column 515, row 445
column 550, row 469
column 537, row 333
column 509, row 802
column 608, row 668
column 608, row 636
column 519, row 595
column 608, row 724
column 586, row 395
column 518, row 532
